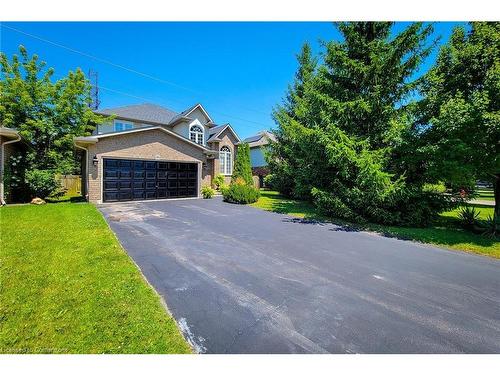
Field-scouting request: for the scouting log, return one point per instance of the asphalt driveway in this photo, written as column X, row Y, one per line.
column 241, row 280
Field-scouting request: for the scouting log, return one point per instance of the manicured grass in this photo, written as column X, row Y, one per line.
column 67, row 286
column 486, row 195
column 445, row 233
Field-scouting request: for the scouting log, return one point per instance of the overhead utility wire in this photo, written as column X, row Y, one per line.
column 105, row 61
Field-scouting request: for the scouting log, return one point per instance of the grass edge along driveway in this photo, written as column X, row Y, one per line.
column 67, row 286
column 445, row 233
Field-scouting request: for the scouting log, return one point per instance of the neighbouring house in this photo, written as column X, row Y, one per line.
column 258, row 144
column 10, row 141
column 147, row 151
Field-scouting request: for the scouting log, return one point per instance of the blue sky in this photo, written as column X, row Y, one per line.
column 238, row 71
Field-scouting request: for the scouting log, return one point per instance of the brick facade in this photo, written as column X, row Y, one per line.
column 228, row 139
column 150, row 145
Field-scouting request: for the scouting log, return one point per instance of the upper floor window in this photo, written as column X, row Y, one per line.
column 225, row 160
column 122, row 125
column 196, row 134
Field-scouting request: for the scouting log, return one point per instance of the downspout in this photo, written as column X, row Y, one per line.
column 2, row 199
column 86, row 170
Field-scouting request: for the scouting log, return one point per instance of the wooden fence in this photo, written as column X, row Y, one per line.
column 71, row 183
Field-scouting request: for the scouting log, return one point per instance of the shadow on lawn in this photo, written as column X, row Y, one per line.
column 70, row 199
column 446, row 231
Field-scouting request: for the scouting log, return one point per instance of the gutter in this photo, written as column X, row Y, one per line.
column 2, row 198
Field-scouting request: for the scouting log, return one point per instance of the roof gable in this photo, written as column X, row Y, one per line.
column 216, row 132
column 185, row 114
column 260, row 139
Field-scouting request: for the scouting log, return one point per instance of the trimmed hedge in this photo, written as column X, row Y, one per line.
column 241, row 194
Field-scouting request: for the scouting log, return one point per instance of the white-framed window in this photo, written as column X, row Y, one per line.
column 120, row 125
column 226, row 162
column 196, row 134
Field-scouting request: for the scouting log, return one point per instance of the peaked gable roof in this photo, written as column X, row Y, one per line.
column 215, row 132
column 142, row 112
column 187, row 112
column 260, row 139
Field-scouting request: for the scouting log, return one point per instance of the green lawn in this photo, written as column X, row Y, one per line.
column 67, row 286
column 445, row 233
column 486, row 195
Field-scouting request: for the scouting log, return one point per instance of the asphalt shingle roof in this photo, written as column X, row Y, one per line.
column 214, row 132
column 142, row 112
column 258, row 137
column 253, row 138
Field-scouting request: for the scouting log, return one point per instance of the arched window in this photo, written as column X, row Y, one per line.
column 226, row 163
column 196, row 134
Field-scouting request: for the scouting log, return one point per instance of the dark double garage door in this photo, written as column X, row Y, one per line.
column 126, row 180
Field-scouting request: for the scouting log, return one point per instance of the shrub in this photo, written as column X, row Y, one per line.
column 491, row 226
column 14, row 178
column 280, row 182
column 241, row 194
column 207, row 192
column 268, row 181
column 330, row 205
column 223, row 188
column 434, row 188
column 218, row 181
column 42, row 183
column 468, row 216
column 242, row 167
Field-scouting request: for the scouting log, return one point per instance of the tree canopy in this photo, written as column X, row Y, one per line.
column 458, row 129
column 343, row 123
column 47, row 114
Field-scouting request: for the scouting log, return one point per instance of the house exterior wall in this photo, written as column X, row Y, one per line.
column 148, row 145
column 198, row 114
column 184, row 127
column 257, row 158
column 229, row 140
column 108, row 127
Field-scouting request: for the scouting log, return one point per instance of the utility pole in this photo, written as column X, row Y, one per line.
column 94, row 90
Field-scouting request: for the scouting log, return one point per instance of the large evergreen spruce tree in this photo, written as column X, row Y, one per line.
column 343, row 121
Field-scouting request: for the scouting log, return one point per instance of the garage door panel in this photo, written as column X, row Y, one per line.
column 138, row 165
column 110, row 185
column 110, row 196
column 125, row 185
column 110, row 173
column 139, row 185
column 139, row 194
column 139, row 175
column 125, row 173
column 151, row 194
column 111, row 163
column 138, row 180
